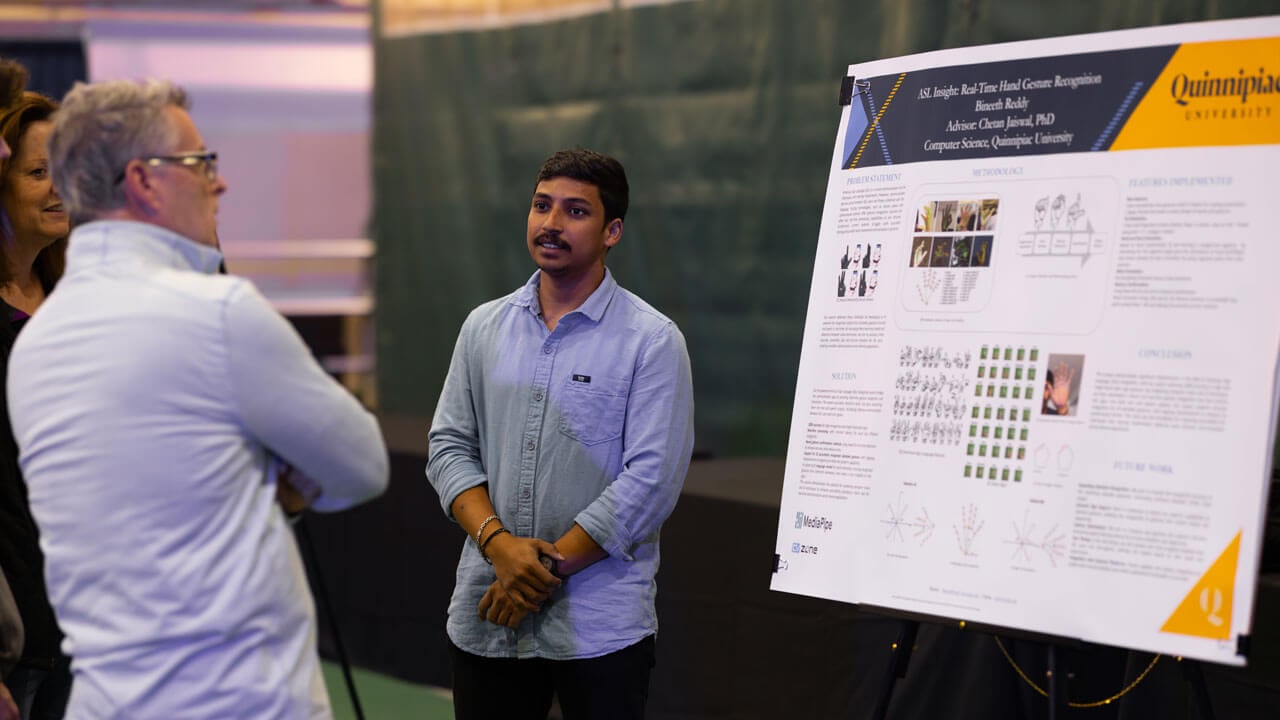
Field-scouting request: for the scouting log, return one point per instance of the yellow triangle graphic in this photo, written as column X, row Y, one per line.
column 1206, row 610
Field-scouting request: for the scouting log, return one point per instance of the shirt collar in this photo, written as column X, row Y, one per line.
column 103, row 240
column 593, row 307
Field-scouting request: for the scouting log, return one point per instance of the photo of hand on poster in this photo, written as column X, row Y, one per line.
column 944, row 216
column 920, row 251
column 960, row 251
column 981, row 251
column 987, row 219
column 851, row 282
column 1062, row 384
column 941, row 252
column 924, row 218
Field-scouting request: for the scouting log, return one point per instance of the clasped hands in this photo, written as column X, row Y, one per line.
column 523, row 584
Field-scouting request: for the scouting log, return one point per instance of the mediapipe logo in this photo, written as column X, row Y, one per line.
column 813, row 521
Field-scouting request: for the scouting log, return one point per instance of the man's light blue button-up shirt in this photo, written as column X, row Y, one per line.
column 148, row 396
column 591, row 423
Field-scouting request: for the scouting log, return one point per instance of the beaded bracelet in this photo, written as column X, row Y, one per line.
column 479, row 532
column 488, row 540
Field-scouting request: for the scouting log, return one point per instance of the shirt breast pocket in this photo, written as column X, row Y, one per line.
column 593, row 412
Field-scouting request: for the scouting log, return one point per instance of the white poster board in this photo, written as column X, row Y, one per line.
column 1038, row 381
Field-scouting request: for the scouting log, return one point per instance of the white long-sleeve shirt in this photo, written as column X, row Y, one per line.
column 147, row 396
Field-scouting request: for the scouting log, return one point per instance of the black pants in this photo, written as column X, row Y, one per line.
column 41, row 694
column 609, row 687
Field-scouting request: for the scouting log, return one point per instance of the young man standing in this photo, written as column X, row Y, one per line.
column 560, row 445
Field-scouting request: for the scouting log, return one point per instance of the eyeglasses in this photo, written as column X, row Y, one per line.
column 188, row 159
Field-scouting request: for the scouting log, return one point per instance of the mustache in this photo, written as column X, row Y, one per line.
column 548, row 238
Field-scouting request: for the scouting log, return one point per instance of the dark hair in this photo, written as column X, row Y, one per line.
column 13, row 80
column 30, row 108
column 591, row 167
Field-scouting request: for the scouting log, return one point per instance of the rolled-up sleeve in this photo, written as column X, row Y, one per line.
column 657, row 444
column 290, row 405
column 453, row 456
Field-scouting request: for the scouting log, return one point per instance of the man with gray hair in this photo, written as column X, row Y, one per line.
column 151, row 398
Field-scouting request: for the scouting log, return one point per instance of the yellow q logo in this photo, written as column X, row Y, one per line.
column 1211, row 604
column 1205, row 611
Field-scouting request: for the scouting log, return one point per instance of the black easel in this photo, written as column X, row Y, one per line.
column 1058, row 681
column 1058, row 675
column 1059, row 649
column 1193, row 673
column 326, row 608
column 899, row 658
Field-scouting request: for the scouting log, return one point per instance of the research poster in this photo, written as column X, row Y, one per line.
column 1038, row 381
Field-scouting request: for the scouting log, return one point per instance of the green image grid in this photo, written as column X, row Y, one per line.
column 1013, row 436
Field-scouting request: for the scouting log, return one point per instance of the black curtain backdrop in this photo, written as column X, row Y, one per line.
column 54, row 65
column 724, row 113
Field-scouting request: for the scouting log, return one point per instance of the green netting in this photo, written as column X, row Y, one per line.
column 724, row 113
